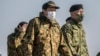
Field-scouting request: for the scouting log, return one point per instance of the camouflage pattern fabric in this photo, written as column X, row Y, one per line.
column 44, row 38
column 75, row 38
column 13, row 44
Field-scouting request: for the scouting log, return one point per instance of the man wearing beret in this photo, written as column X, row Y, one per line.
column 74, row 33
column 43, row 36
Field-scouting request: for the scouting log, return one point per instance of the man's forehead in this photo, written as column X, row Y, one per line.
column 51, row 8
column 80, row 10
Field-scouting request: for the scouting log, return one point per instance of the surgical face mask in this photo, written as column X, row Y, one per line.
column 80, row 17
column 51, row 15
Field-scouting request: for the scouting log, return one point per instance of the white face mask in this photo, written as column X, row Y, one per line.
column 51, row 15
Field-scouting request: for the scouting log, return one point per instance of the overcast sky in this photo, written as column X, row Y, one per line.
column 14, row 11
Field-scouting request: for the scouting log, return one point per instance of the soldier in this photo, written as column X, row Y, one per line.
column 43, row 36
column 74, row 33
column 14, row 39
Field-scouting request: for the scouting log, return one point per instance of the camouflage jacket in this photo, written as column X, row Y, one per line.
column 13, row 43
column 44, row 38
column 75, row 38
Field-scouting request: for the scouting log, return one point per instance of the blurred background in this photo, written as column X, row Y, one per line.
column 14, row 11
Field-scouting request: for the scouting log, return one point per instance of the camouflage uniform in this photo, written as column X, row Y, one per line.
column 75, row 38
column 44, row 38
column 14, row 41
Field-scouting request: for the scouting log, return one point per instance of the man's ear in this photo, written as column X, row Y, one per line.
column 20, row 28
column 43, row 10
